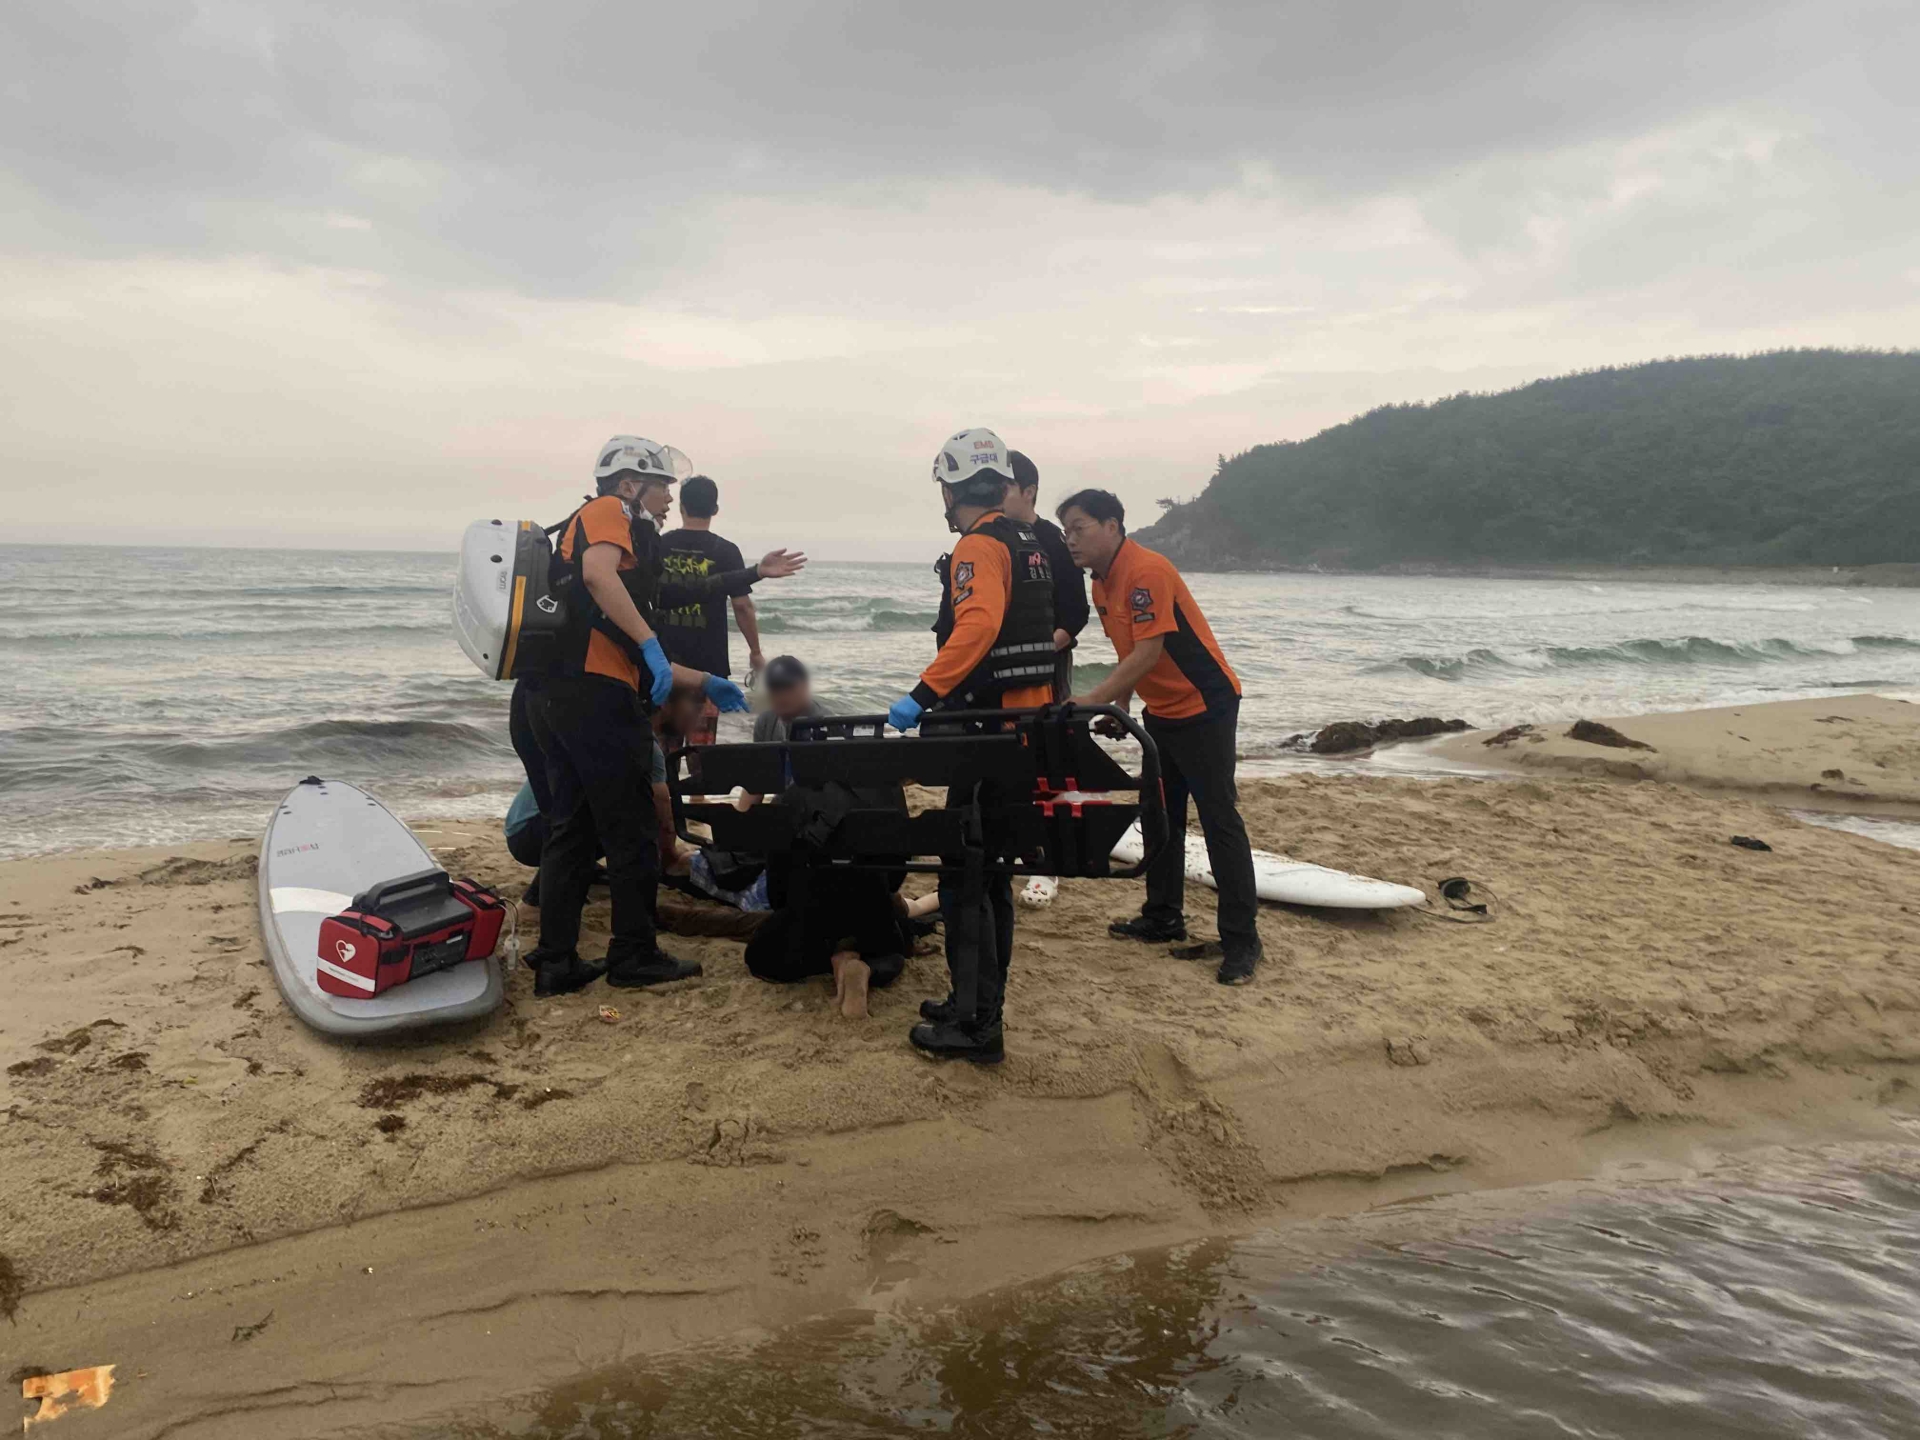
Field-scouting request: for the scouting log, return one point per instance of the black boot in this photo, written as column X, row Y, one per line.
column 1154, row 932
column 536, row 957
column 939, row 1011
column 562, row 975
column 1238, row 967
column 663, row 969
column 981, row 1042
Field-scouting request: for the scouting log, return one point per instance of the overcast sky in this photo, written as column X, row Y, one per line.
column 354, row 274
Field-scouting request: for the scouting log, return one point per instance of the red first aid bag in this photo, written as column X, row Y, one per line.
column 405, row 928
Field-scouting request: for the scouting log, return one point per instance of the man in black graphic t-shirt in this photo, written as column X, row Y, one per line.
column 696, row 635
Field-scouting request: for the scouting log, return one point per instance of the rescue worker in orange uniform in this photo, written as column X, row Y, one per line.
column 590, row 727
column 997, row 655
column 1168, row 656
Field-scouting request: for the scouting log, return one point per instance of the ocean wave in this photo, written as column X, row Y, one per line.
column 1684, row 650
column 1885, row 642
column 1870, row 682
column 187, row 634
column 847, row 622
column 307, row 747
column 1390, row 615
column 159, row 592
column 487, row 705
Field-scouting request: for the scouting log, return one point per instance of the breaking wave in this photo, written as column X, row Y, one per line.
column 190, row 770
column 186, row 634
column 364, row 743
column 1684, row 650
column 844, row 622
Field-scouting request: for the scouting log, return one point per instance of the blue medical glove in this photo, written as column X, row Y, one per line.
column 905, row 713
column 724, row 693
column 659, row 667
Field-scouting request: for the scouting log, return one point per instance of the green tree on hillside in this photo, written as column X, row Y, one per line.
column 1795, row 457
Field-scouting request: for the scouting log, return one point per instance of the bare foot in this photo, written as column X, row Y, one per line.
column 850, row 976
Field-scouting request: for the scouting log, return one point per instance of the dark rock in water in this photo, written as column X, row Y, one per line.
column 1343, row 735
column 1594, row 733
column 1749, row 842
column 1346, row 735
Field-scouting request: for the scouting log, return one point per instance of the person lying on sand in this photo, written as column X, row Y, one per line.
column 845, row 924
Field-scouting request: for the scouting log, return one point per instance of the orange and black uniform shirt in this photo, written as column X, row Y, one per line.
column 979, row 586
column 604, row 521
column 1142, row 596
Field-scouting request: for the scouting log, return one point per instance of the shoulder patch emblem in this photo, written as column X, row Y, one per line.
column 1141, row 598
column 963, row 573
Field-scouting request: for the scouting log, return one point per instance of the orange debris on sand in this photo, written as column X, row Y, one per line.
column 70, row 1389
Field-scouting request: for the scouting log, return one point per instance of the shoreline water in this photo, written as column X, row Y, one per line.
column 1401, row 1319
column 194, row 686
column 397, row 1323
column 554, row 1191
column 1887, row 575
column 1892, row 574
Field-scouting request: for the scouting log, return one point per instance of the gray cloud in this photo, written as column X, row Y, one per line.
column 575, row 149
column 351, row 273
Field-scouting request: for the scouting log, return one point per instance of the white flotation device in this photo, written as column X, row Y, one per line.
column 504, row 611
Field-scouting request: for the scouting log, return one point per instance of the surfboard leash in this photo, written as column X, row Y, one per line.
column 1464, row 907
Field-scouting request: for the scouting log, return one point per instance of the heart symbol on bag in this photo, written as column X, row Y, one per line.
column 344, row 951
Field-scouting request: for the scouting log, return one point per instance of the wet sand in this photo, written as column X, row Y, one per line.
column 271, row 1234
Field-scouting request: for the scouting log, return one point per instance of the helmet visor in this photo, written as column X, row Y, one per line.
column 644, row 457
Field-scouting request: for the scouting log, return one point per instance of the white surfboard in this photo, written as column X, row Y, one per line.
column 326, row 843
column 1290, row 882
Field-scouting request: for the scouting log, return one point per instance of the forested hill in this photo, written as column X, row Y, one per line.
column 1794, row 458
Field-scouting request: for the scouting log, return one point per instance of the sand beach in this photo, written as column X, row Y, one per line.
column 1857, row 753
column 269, row 1233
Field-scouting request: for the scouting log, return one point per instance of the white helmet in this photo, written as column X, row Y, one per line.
column 642, row 456
column 970, row 453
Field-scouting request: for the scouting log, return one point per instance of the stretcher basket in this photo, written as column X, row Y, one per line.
column 1029, row 792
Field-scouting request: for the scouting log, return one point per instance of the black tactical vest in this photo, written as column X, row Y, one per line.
column 1022, row 653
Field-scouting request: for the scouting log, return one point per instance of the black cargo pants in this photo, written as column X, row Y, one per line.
column 1197, row 759
column 599, row 761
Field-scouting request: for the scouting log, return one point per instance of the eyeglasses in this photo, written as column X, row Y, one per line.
column 1079, row 528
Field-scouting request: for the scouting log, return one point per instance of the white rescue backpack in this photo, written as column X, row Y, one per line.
column 509, row 611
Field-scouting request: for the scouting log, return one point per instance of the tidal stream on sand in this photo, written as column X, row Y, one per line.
column 1777, row 1294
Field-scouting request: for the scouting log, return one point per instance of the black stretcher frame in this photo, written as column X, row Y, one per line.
column 1015, row 760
